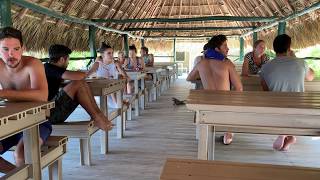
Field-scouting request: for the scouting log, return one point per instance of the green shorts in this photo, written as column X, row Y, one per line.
column 64, row 106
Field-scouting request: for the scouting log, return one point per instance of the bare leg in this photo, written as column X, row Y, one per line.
column 289, row 140
column 227, row 138
column 19, row 153
column 278, row 143
column 114, row 98
column 80, row 91
column 129, row 88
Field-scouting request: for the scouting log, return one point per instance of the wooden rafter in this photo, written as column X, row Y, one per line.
column 107, row 15
column 44, row 17
column 65, row 10
column 154, row 11
column 180, row 8
column 153, row 5
column 144, row 12
column 159, row 14
column 231, row 11
column 170, row 12
column 134, row 13
column 119, row 11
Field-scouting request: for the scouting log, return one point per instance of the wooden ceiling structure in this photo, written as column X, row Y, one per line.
column 67, row 21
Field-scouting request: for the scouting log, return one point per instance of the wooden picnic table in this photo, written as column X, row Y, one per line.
column 156, row 78
column 137, row 76
column 260, row 112
column 185, row 169
column 16, row 117
column 103, row 87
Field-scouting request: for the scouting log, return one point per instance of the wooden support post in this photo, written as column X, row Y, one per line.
column 174, row 50
column 142, row 43
column 126, row 44
column 241, row 49
column 5, row 13
column 282, row 28
column 254, row 37
column 92, row 43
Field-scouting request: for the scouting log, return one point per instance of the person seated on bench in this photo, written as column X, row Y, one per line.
column 216, row 71
column 22, row 78
column 147, row 58
column 105, row 67
column 121, row 58
column 74, row 93
column 285, row 73
column 254, row 60
column 133, row 62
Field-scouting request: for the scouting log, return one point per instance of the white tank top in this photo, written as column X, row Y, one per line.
column 107, row 70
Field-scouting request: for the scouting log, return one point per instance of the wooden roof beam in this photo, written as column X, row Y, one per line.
column 64, row 17
column 314, row 7
column 175, row 20
column 190, row 28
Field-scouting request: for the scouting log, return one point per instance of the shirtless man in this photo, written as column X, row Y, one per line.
column 217, row 74
column 22, row 78
column 74, row 93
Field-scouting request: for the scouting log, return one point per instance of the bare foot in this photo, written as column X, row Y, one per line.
column 289, row 140
column 102, row 122
column 227, row 138
column 125, row 103
column 6, row 166
column 278, row 143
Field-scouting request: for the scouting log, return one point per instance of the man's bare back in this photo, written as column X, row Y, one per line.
column 217, row 75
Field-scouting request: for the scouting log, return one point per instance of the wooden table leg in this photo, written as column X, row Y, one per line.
column 104, row 134
column 32, row 151
column 142, row 98
column 120, row 117
column 136, row 101
column 205, row 144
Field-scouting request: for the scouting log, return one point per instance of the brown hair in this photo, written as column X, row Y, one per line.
column 257, row 42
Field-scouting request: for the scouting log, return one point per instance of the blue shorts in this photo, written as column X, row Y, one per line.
column 45, row 130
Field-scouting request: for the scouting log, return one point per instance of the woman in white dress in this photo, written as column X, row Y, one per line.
column 106, row 67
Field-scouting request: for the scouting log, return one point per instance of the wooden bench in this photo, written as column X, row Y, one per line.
column 51, row 157
column 183, row 169
column 83, row 130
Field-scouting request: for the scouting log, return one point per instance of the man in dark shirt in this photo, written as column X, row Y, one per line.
column 74, row 93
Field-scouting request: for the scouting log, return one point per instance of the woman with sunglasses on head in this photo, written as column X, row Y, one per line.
column 106, row 67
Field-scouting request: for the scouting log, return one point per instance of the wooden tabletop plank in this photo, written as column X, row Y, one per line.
column 180, row 169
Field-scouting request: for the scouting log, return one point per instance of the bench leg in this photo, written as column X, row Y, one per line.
column 104, row 138
column 129, row 112
column 124, row 114
column 119, row 127
column 55, row 170
column 85, row 152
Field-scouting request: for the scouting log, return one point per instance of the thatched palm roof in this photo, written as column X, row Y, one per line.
column 41, row 31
